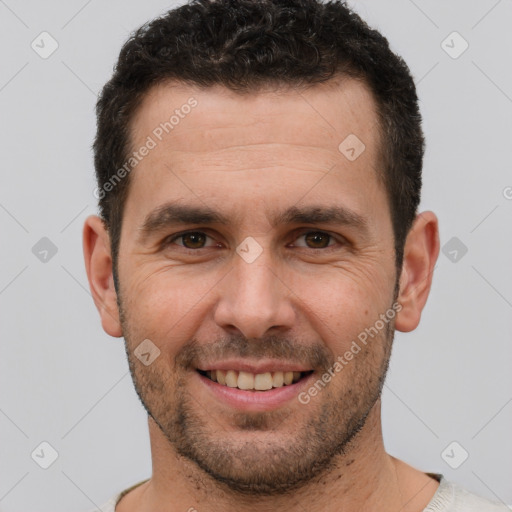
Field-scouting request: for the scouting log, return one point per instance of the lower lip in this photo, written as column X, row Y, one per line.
column 255, row 400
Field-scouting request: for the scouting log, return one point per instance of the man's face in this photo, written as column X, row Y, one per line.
column 271, row 283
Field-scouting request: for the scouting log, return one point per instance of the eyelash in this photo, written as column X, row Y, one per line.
column 171, row 239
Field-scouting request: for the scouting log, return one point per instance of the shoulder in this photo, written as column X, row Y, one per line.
column 110, row 505
column 451, row 497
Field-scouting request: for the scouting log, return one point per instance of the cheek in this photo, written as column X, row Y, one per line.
column 342, row 305
column 163, row 304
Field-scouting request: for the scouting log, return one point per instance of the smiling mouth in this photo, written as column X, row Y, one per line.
column 252, row 381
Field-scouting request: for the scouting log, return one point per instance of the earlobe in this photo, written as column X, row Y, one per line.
column 420, row 256
column 98, row 264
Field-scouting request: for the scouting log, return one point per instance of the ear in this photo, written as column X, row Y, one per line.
column 98, row 264
column 420, row 256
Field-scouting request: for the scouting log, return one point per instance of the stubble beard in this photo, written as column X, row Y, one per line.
column 256, row 466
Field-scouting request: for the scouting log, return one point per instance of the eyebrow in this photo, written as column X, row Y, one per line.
column 321, row 215
column 171, row 214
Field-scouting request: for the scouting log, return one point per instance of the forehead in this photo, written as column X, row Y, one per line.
column 321, row 115
column 213, row 142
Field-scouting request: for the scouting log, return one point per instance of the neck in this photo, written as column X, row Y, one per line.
column 363, row 478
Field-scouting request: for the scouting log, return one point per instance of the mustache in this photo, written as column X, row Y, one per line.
column 193, row 354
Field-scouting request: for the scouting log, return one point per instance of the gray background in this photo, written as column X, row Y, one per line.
column 64, row 381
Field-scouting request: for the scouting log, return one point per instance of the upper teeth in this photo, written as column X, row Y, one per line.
column 257, row 381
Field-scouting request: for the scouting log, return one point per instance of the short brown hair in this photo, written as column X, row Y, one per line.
column 244, row 44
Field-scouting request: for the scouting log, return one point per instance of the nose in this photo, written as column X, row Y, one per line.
column 254, row 300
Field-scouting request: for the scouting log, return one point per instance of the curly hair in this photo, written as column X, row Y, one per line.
column 245, row 45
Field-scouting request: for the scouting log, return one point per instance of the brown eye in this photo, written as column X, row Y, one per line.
column 316, row 239
column 193, row 240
